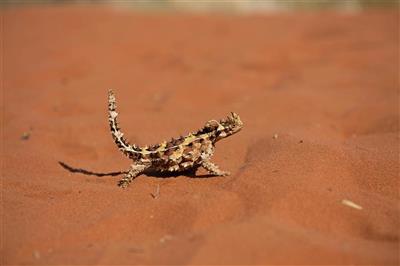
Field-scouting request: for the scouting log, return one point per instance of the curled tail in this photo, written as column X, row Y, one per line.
column 129, row 150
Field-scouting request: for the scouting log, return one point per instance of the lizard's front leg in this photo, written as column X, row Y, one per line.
column 213, row 169
column 136, row 169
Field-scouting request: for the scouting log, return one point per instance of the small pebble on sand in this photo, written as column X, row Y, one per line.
column 25, row 136
column 36, row 254
column 351, row 204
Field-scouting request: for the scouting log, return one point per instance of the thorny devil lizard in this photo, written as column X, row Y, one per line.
column 177, row 155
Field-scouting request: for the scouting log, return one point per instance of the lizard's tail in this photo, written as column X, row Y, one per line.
column 129, row 150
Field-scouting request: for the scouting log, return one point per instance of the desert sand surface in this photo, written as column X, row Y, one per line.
column 314, row 172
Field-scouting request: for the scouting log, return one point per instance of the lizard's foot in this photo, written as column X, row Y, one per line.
column 123, row 183
column 224, row 173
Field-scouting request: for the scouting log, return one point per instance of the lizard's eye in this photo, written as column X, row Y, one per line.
column 211, row 125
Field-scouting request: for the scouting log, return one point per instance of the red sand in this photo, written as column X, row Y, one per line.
column 324, row 82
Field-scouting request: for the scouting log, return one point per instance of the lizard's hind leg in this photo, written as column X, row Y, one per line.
column 136, row 169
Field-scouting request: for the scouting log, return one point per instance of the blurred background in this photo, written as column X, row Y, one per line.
column 225, row 6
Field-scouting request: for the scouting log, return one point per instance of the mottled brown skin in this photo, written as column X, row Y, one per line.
column 181, row 154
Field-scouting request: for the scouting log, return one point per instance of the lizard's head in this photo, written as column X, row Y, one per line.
column 225, row 127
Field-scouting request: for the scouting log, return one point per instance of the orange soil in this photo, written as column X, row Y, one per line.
column 324, row 82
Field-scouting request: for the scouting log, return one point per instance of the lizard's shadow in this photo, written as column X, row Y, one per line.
column 189, row 173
